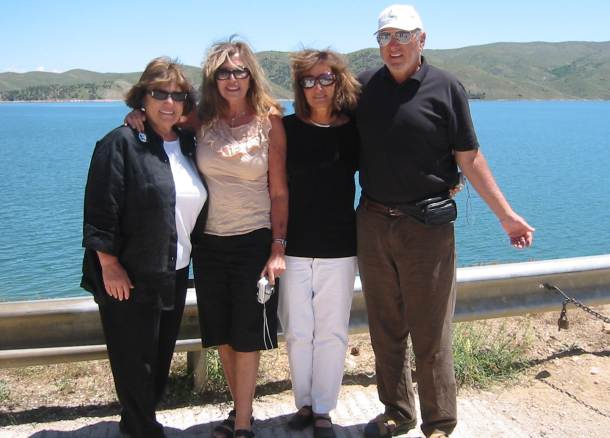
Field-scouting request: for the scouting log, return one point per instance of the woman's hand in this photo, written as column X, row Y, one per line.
column 116, row 280
column 276, row 264
column 135, row 119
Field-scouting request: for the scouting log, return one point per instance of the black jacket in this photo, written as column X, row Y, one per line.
column 130, row 202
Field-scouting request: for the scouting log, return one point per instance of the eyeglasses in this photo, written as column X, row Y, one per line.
column 177, row 96
column 402, row 36
column 222, row 74
column 325, row 79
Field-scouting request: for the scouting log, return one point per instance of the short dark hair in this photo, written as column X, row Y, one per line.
column 160, row 71
column 347, row 88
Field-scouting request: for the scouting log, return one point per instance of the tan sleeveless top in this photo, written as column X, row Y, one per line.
column 234, row 162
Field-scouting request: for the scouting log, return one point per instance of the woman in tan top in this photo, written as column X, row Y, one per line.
column 242, row 152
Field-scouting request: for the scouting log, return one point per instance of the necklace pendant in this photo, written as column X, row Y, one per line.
column 321, row 125
column 236, row 117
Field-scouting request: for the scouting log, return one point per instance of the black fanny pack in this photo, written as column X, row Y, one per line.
column 439, row 210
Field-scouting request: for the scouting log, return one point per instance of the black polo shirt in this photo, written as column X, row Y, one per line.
column 409, row 132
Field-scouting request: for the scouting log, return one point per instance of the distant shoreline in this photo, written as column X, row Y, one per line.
column 290, row 100
column 86, row 100
column 61, row 101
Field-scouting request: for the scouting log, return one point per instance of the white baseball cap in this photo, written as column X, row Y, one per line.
column 403, row 17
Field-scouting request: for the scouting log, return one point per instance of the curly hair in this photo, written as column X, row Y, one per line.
column 161, row 71
column 212, row 105
column 347, row 88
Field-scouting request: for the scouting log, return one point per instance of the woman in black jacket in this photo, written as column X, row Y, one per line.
column 144, row 198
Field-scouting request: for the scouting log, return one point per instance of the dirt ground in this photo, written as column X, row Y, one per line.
column 564, row 390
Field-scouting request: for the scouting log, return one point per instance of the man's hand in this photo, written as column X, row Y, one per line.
column 520, row 233
column 474, row 165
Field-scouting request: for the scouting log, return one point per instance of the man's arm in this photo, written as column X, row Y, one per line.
column 475, row 167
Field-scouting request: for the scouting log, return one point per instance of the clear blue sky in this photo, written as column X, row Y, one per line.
column 123, row 35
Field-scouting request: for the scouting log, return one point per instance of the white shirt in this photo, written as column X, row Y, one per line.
column 190, row 197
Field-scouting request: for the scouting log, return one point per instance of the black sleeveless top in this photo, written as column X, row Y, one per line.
column 321, row 163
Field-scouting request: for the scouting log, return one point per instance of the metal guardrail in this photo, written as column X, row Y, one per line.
column 64, row 330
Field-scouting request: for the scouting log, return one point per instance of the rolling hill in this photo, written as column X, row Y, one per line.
column 537, row 70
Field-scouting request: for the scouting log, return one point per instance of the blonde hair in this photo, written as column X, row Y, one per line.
column 347, row 88
column 212, row 105
column 161, row 71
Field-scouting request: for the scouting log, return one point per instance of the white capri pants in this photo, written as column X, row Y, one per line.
column 314, row 307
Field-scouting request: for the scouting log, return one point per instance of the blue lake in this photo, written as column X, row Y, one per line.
column 551, row 158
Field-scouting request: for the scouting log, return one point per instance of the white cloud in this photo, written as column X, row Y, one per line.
column 12, row 69
column 17, row 69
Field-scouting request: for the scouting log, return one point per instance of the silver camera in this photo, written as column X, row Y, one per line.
column 265, row 290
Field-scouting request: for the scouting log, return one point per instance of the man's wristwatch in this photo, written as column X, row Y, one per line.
column 282, row 242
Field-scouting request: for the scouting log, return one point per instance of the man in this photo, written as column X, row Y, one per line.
column 416, row 129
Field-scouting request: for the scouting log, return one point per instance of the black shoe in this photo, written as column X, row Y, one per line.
column 323, row 431
column 245, row 433
column 302, row 419
column 124, row 429
column 383, row 426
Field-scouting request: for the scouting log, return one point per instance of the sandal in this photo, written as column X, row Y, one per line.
column 302, row 418
column 383, row 426
column 226, row 428
column 323, row 431
column 244, row 432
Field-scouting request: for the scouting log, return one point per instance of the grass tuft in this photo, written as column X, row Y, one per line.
column 484, row 355
column 4, row 391
column 216, row 378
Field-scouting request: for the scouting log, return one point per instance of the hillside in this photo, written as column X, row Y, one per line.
column 537, row 70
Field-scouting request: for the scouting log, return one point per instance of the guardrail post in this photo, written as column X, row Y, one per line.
column 197, row 364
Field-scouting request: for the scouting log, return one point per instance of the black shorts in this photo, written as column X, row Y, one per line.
column 227, row 269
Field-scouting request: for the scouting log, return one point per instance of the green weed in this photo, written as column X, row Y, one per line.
column 4, row 391
column 484, row 355
column 216, row 378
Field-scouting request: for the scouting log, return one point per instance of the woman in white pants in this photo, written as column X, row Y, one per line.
column 317, row 286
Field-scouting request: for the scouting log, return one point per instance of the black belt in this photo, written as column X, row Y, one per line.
column 378, row 207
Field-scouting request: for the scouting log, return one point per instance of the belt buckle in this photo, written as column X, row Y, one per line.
column 394, row 212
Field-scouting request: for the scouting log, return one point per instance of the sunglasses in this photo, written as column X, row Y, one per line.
column 402, row 36
column 177, row 96
column 222, row 74
column 325, row 80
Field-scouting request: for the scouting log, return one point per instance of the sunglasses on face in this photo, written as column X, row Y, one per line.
column 222, row 74
column 177, row 96
column 325, row 79
column 402, row 36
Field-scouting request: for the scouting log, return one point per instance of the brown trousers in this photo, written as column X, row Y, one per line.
column 407, row 271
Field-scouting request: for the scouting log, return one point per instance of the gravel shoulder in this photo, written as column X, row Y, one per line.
column 564, row 391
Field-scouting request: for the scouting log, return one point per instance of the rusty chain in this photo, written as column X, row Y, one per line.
column 563, row 320
column 563, row 324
